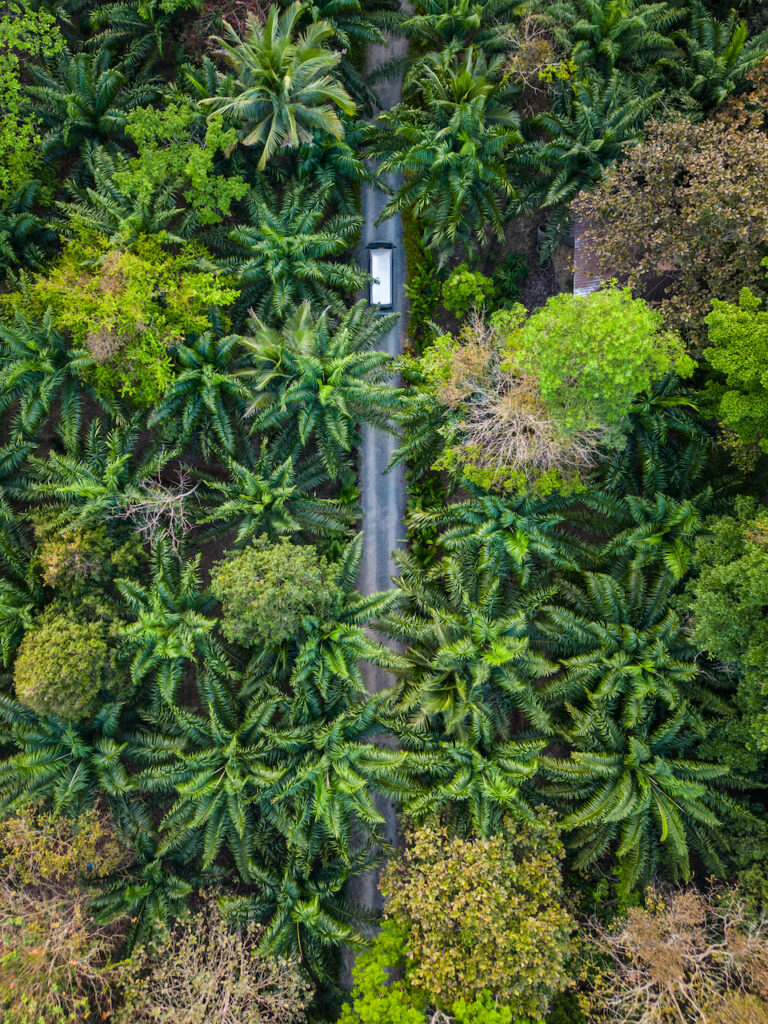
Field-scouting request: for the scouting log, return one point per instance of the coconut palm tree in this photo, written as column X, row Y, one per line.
column 284, row 88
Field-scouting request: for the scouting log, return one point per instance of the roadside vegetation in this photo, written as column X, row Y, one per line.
column 193, row 774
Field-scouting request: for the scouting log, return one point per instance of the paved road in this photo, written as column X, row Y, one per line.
column 382, row 494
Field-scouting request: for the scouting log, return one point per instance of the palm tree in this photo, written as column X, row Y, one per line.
column 322, row 379
column 206, row 400
column 82, row 99
column 451, row 140
column 304, row 907
column 137, row 29
column 667, row 446
column 717, row 54
column 636, row 796
column 271, row 493
column 335, row 168
column 288, row 252
column 151, row 896
column 475, row 787
column 284, row 88
column 516, row 539
column 26, row 238
column 214, row 765
column 589, row 128
column 629, row 704
column 440, row 23
column 38, row 375
column 353, row 30
column 171, row 626
column 656, row 531
column 471, row 672
column 632, row 36
column 68, row 764
column 103, row 207
column 97, row 479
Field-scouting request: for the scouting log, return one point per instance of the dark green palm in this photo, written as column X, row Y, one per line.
column 322, row 379
column 451, row 139
column 290, row 252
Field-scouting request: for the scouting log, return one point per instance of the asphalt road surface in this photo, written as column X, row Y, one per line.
column 382, row 493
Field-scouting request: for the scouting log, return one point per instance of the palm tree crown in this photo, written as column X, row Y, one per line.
column 451, row 144
column 285, row 91
column 322, row 380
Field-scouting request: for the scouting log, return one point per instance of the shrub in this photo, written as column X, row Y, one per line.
column 84, row 560
column 482, row 917
column 39, row 847
column 55, row 964
column 207, row 973
column 266, row 590
column 465, row 289
column 509, row 277
column 127, row 308
column 62, row 666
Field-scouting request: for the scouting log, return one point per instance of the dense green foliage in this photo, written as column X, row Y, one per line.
column 473, row 927
column 265, row 591
column 199, row 674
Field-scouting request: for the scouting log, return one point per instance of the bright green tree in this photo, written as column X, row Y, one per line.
column 727, row 598
column 25, row 34
column 592, row 356
column 126, row 307
column 738, row 354
column 62, row 667
column 169, row 148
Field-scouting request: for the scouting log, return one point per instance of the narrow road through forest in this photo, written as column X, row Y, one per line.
column 382, row 494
